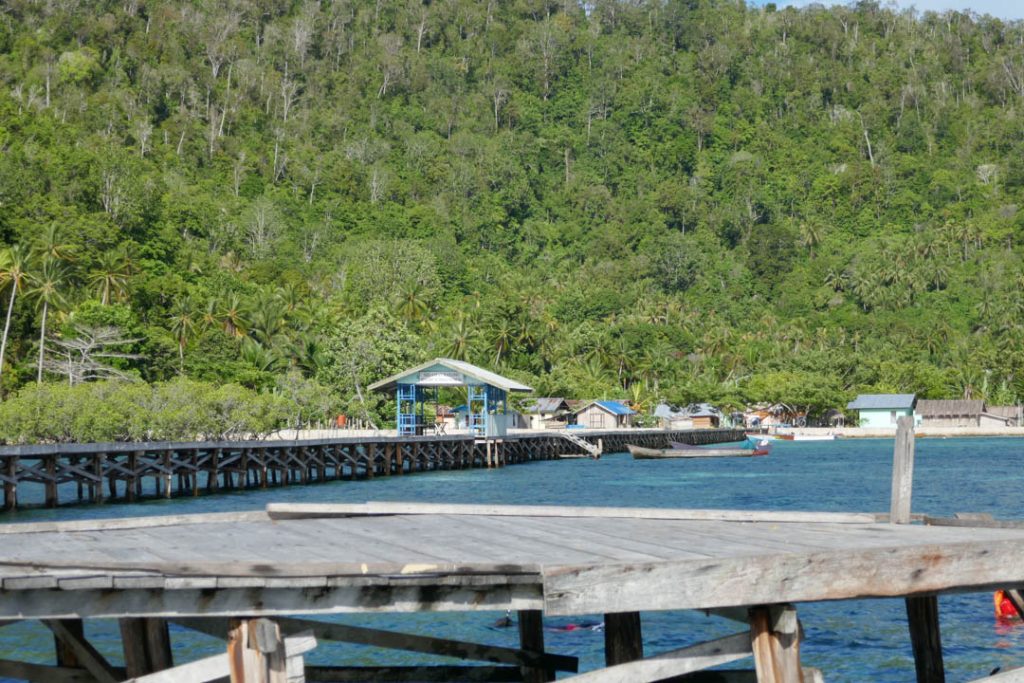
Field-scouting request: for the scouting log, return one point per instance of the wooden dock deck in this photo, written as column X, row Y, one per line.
column 104, row 472
column 400, row 557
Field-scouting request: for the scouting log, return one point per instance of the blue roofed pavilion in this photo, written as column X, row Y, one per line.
column 486, row 395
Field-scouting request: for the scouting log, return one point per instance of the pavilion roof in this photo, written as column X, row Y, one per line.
column 459, row 371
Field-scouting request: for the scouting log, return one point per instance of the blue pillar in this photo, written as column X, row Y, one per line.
column 405, row 416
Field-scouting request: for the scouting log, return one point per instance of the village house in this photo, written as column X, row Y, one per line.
column 547, row 413
column 880, row 411
column 605, row 415
column 965, row 413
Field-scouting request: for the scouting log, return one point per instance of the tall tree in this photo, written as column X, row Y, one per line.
column 48, row 284
column 14, row 262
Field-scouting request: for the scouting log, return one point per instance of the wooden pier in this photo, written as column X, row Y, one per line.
column 267, row 583
column 131, row 471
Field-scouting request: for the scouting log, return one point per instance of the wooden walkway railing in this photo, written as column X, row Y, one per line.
column 103, row 472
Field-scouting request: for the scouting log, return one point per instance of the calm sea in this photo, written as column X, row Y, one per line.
column 851, row 641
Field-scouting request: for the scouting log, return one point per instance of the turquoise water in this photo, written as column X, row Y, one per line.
column 851, row 641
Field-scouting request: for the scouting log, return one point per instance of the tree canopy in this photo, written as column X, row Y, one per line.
column 680, row 200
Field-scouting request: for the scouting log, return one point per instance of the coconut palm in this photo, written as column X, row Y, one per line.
column 110, row 276
column 14, row 273
column 183, row 326
column 50, row 245
column 460, row 338
column 232, row 316
column 48, row 282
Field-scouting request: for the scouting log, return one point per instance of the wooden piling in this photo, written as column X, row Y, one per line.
column 775, row 638
column 531, row 638
column 50, row 466
column 902, row 471
column 623, row 639
column 256, row 652
column 11, row 483
column 147, row 645
column 922, row 612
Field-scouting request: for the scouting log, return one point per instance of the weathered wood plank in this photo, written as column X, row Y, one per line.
column 270, row 601
column 40, row 672
column 200, row 671
column 1008, row 676
column 85, row 653
column 132, row 523
column 404, row 641
column 414, row 674
column 673, row 663
column 902, row 471
column 320, row 510
column 737, row 581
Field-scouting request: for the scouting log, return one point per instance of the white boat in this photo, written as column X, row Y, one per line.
column 813, row 437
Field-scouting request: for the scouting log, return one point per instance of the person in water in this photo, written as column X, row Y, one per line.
column 1005, row 609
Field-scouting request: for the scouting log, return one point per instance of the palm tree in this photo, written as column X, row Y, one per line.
column 13, row 272
column 110, row 276
column 48, row 281
column 411, row 303
column 232, row 316
column 183, row 325
column 503, row 336
column 460, row 339
column 50, row 245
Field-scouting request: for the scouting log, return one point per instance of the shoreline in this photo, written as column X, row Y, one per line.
column 919, row 432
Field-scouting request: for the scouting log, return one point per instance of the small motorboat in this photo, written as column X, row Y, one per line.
column 682, row 450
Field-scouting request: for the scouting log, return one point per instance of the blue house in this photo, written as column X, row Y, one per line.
column 605, row 415
column 880, row 411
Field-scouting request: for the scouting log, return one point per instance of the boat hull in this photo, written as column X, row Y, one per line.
column 641, row 453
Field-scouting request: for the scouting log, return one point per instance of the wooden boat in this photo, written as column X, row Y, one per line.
column 796, row 436
column 688, row 451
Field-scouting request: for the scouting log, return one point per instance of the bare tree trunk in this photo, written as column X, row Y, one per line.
column 42, row 340
column 7, row 329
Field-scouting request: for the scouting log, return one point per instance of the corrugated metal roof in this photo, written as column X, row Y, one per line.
column 612, row 407
column 949, row 408
column 467, row 369
column 667, row 412
column 882, row 402
column 545, row 405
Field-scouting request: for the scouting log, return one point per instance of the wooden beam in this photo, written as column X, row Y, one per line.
column 974, row 522
column 132, row 522
column 923, row 620
column 200, row 671
column 531, row 638
column 790, row 577
column 623, row 638
column 902, row 471
column 213, row 602
column 39, row 672
column 85, row 653
column 413, row 674
column 673, row 663
column 403, row 641
column 742, row 676
column 65, row 654
column 1008, row 676
column 329, row 510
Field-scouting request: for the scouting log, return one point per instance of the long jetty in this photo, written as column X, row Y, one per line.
column 103, row 472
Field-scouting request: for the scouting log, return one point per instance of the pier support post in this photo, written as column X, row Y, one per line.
column 256, row 652
column 623, row 638
column 11, row 483
column 922, row 612
column 775, row 638
column 50, row 465
column 531, row 637
column 923, row 620
column 902, row 471
column 147, row 646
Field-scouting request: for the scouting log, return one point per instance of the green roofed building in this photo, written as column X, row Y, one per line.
column 880, row 411
column 486, row 395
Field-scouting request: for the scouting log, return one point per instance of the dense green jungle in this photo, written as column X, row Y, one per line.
column 255, row 208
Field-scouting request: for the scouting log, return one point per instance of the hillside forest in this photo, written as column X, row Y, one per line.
column 264, row 205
